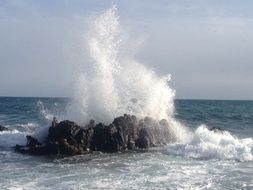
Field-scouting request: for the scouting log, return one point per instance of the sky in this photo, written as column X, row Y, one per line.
column 205, row 45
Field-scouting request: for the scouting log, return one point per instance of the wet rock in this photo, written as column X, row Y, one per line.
column 143, row 139
column 126, row 130
column 33, row 147
column 2, row 128
column 55, row 122
column 131, row 144
column 152, row 133
column 38, row 150
column 69, row 149
column 216, row 129
column 32, row 142
column 68, row 138
column 65, row 130
column 124, row 133
column 105, row 138
column 53, row 147
column 21, row 149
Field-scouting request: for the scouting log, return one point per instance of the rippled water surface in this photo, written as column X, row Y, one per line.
column 202, row 163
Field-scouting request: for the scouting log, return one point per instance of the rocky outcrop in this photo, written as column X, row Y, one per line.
column 123, row 134
column 33, row 147
column 117, row 136
column 2, row 128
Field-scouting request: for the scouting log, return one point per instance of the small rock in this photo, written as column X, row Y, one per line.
column 2, row 128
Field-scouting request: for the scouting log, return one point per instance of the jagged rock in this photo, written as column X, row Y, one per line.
column 124, row 133
column 127, row 127
column 31, row 141
column 33, row 147
column 68, row 138
column 21, row 149
column 105, row 138
column 216, row 129
column 131, row 144
column 89, row 134
column 55, row 122
column 2, row 128
column 153, row 133
column 143, row 139
column 68, row 149
column 65, row 130
column 53, row 147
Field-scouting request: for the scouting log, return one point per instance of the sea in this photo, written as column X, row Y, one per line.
column 208, row 160
column 110, row 81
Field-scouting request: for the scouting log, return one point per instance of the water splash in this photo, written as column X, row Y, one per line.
column 114, row 86
column 45, row 113
column 203, row 143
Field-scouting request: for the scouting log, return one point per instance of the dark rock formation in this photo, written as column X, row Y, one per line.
column 33, row 147
column 124, row 133
column 118, row 136
column 216, row 129
column 2, row 128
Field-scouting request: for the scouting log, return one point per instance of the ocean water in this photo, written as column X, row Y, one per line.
column 207, row 161
column 108, row 84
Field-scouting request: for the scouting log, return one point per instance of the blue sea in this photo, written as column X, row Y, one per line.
column 208, row 160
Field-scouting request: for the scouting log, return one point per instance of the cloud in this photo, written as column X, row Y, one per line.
column 205, row 45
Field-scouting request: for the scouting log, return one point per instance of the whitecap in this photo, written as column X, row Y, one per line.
column 210, row 144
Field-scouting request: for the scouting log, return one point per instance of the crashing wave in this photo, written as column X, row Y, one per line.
column 208, row 144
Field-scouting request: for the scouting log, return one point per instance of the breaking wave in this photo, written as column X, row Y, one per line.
column 17, row 134
column 115, row 84
column 207, row 144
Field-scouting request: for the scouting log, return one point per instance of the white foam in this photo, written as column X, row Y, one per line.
column 29, row 127
column 204, row 143
column 38, row 131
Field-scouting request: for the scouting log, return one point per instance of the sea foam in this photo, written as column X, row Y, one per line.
column 207, row 144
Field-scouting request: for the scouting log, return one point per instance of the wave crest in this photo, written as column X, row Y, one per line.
column 209, row 144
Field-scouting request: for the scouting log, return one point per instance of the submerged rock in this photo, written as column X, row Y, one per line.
column 124, row 133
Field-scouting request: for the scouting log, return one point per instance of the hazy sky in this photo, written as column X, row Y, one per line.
column 207, row 45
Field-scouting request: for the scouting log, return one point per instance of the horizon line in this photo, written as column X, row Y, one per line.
column 193, row 99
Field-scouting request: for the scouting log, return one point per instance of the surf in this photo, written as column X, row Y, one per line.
column 112, row 84
column 117, row 84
